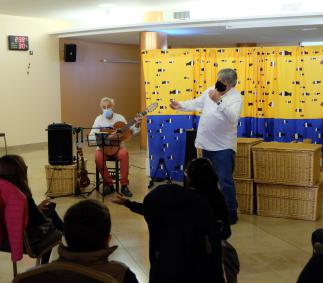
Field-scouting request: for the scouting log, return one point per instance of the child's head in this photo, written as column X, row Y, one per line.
column 201, row 174
column 87, row 226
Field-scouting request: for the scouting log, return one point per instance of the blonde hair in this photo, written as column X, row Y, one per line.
column 104, row 99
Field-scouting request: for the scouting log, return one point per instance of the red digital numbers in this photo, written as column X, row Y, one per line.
column 20, row 39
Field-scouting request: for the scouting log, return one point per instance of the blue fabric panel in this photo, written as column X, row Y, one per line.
column 282, row 130
column 166, row 137
column 166, row 140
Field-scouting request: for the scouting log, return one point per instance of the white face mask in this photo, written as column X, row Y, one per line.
column 107, row 113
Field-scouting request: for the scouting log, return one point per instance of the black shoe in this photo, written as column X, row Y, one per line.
column 107, row 190
column 233, row 217
column 125, row 191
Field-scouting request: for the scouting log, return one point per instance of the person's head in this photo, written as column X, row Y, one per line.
column 201, row 175
column 14, row 169
column 227, row 79
column 107, row 105
column 87, row 226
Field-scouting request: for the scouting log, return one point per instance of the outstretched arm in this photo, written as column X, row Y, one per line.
column 134, row 206
column 196, row 104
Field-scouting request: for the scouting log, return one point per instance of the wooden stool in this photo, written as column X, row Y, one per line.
column 114, row 173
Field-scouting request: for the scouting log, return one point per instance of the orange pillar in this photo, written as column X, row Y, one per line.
column 148, row 41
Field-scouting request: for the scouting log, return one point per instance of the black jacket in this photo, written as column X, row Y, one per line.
column 184, row 242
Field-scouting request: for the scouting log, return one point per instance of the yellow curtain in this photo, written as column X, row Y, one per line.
column 277, row 82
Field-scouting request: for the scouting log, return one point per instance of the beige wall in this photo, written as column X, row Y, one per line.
column 86, row 81
column 28, row 103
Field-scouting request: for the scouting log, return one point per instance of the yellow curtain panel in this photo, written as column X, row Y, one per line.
column 276, row 82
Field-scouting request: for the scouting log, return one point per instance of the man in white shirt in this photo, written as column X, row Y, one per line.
column 217, row 130
column 107, row 120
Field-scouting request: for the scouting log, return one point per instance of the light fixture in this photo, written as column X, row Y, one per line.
column 310, row 43
column 308, row 29
column 116, row 60
column 107, row 5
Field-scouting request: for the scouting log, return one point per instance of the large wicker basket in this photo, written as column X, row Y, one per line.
column 289, row 201
column 61, row 180
column 287, row 163
column 245, row 195
column 243, row 159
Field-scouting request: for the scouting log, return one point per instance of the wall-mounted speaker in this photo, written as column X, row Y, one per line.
column 69, row 52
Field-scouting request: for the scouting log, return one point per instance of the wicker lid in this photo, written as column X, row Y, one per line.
column 288, row 146
column 249, row 140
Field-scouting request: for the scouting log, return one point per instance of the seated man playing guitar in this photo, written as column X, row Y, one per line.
column 116, row 126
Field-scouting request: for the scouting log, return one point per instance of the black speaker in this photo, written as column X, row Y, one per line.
column 69, row 52
column 60, row 144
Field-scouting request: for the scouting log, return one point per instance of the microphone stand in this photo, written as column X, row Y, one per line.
column 160, row 166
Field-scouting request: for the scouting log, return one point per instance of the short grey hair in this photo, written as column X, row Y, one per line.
column 104, row 99
column 229, row 76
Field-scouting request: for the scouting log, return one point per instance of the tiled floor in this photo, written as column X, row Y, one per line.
column 271, row 250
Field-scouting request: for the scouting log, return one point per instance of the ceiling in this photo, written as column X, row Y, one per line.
column 267, row 30
column 213, row 36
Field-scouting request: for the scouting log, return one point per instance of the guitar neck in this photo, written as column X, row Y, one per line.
column 130, row 124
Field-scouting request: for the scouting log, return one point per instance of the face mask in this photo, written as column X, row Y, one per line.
column 220, row 86
column 107, row 113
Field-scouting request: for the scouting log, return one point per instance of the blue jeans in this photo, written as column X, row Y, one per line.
column 223, row 163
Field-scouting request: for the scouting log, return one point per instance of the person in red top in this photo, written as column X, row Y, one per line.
column 44, row 225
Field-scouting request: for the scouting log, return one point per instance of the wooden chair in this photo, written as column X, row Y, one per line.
column 3, row 135
column 63, row 272
column 35, row 254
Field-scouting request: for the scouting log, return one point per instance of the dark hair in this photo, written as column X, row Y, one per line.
column 87, row 225
column 13, row 169
column 201, row 176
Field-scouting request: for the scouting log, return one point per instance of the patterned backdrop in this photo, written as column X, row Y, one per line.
column 281, row 86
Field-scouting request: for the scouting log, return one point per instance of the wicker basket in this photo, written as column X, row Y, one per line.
column 245, row 195
column 287, row 163
column 243, row 159
column 289, row 201
column 61, row 180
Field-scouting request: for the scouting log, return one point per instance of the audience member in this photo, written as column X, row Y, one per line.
column 184, row 244
column 44, row 224
column 201, row 176
column 87, row 227
column 313, row 272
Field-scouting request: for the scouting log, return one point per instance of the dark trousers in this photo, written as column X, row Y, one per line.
column 223, row 162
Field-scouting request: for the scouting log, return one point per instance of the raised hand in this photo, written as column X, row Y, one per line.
column 215, row 95
column 138, row 119
column 119, row 200
column 174, row 104
column 43, row 206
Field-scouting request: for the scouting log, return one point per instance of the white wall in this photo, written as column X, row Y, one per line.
column 28, row 103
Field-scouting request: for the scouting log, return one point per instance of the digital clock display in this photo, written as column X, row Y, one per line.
column 18, row 42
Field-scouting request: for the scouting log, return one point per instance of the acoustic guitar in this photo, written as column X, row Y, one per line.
column 121, row 132
column 84, row 180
